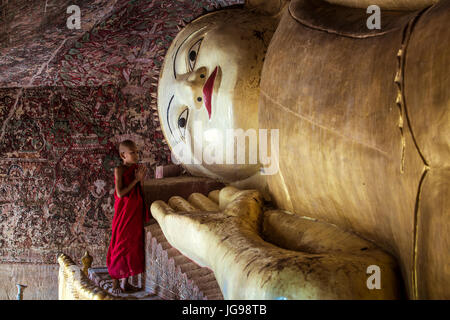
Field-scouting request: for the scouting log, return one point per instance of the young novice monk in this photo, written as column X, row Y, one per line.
column 125, row 256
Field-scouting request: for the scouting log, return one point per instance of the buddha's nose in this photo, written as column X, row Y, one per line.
column 191, row 87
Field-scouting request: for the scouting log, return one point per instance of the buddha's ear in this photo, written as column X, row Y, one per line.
column 269, row 7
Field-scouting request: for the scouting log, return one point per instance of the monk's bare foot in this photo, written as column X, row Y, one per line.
column 116, row 289
column 129, row 288
column 126, row 287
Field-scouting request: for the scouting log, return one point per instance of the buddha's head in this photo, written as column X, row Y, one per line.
column 209, row 83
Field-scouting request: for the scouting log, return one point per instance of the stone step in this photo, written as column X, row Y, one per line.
column 206, row 281
column 161, row 238
column 157, row 234
column 165, row 245
column 209, row 286
column 151, row 297
column 186, row 267
column 170, row 267
column 216, row 297
column 213, row 292
column 172, row 252
column 151, row 222
column 198, row 273
column 153, row 229
column 180, row 259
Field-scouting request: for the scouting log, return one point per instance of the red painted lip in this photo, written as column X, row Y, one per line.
column 207, row 91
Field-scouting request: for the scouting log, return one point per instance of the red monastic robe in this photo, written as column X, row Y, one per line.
column 126, row 256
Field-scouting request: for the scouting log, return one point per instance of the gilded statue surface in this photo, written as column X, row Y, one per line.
column 361, row 118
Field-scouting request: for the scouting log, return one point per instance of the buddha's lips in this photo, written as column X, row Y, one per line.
column 207, row 91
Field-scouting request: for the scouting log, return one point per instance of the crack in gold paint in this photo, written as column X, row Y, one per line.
column 416, row 233
column 401, row 103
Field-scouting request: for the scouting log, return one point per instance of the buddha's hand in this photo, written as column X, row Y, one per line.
column 199, row 225
column 225, row 232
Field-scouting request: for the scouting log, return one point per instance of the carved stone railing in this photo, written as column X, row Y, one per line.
column 73, row 284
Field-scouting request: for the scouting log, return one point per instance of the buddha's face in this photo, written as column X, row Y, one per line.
column 209, row 83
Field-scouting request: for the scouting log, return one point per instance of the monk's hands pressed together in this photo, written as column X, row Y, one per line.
column 140, row 173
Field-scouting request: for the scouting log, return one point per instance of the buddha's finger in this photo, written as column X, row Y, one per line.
column 214, row 196
column 202, row 202
column 247, row 205
column 180, row 204
column 227, row 195
column 160, row 210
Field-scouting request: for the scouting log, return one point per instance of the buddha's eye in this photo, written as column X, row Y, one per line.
column 182, row 122
column 193, row 54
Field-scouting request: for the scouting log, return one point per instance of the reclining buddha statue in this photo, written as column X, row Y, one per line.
column 357, row 124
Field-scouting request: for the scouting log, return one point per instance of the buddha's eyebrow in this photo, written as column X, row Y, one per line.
column 176, row 53
column 168, row 109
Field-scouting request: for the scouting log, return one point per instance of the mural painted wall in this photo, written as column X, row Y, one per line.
column 66, row 99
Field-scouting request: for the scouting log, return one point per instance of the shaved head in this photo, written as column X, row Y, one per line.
column 126, row 145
